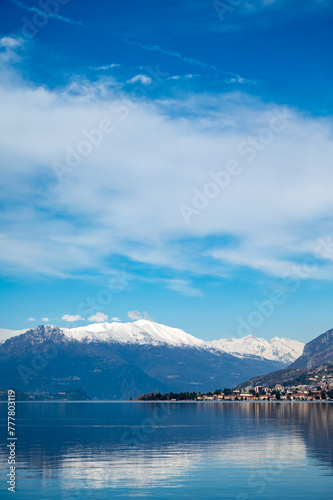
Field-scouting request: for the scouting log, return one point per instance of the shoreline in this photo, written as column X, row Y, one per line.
column 170, row 402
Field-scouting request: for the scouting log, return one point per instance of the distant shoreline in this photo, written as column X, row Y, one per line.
column 171, row 402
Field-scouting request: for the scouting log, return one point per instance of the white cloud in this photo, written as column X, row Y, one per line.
column 45, row 320
column 5, row 333
column 189, row 60
column 277, row 8
column 178, row 77
column 116, row 318
column 261, row 4
column 267, row 217
column 183, row 287
column 135, row 315
column 10, row 52
column 23, row 6
column 31, row 319
column 10, row 43
column 72, row 317
column 99, row 317
column 145, row 80
column 242, row 81
column 105, row 68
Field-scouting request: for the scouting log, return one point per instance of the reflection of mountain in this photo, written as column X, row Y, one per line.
column 315, row 424
column 91, row 444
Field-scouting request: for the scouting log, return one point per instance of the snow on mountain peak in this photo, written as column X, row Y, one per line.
column 277, row 349
column 143, row 332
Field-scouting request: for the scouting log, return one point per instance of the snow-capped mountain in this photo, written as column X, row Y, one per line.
column 142, row 332
column 148, row 333
column 277, row 349
column 121, row 360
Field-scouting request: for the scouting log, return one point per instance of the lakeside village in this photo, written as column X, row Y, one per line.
column 321, row 389
column 314, row 384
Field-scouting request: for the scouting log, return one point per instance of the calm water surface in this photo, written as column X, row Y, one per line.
column 172, row 451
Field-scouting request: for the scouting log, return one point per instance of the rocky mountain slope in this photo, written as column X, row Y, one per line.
column 318, row 352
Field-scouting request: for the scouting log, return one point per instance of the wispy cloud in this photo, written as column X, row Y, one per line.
column 242, row 81
column 10, row 48
column 254, row 6
column 105, row 67
column 144, row 79
column 274, row 11
column 45, row 320
column 136, row 181
column 183, row 287
column 70, row 318
column 183, row 77
column 41, row 12
column 190, row 60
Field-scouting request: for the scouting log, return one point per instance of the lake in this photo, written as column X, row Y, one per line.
column 107, row 450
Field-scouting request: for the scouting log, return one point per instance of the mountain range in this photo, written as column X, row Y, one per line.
column 317, row 352
column 122, row 360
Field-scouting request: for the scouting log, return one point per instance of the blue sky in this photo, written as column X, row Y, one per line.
column 169, row 161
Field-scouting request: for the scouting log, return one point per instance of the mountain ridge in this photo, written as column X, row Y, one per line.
column 317, row 352
column 278, row 349
column 146, row 332
column 107, row 362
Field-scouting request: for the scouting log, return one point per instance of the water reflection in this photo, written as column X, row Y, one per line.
column 109, row 450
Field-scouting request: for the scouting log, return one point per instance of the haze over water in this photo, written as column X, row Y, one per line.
column 179, row 450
